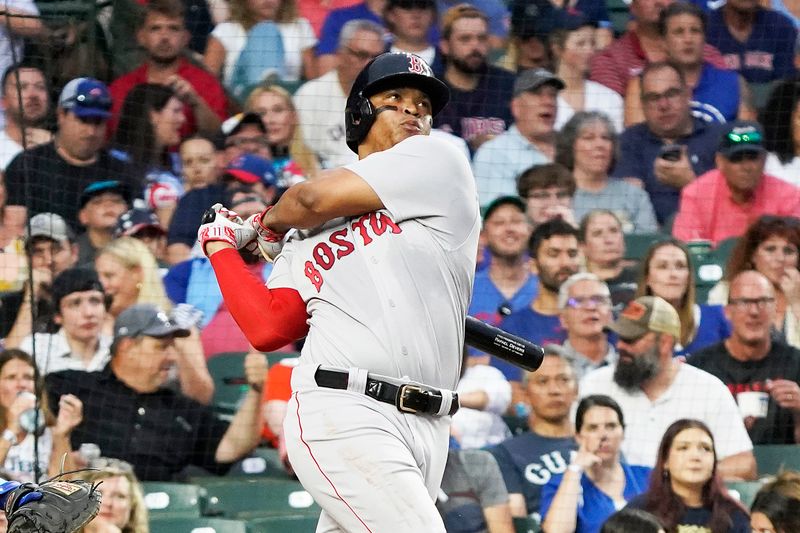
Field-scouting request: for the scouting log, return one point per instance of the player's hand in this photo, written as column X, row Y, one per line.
column 225, row 227
column 70, row 414
column 267, row 242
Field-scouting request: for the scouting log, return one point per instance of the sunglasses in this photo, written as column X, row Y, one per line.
column 738, row 157
column 749, row 137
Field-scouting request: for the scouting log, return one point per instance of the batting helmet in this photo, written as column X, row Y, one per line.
column 387, row 71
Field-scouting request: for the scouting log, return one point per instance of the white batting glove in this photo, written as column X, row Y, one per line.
column 226, row 226
column 268, row 243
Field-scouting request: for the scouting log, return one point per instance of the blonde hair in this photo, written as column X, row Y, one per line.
column 240, row 12
column 298, row 150
column 787, row 483
column 138, row 521
column 133, row 253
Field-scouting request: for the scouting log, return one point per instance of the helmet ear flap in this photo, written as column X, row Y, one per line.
column 358, row 121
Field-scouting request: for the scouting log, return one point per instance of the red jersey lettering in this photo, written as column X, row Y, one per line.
column 323, row 255
column 379, row 222
column 345, row 247
column 313, row 275
column 360, row 225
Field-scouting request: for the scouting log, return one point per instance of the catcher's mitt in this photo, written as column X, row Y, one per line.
column 52, row 507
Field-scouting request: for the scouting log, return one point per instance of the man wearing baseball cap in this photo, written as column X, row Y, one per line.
column 724, row 201
column 102, row 203
column 654, row 390
column 51, row 177
column 530, row 141
column 130, row 415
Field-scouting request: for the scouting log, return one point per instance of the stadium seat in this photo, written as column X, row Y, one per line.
column 619, row 15
column 255, row 498
column 173, row 500
column 263, row 462
column 230, row 384
column 774, row 458
column 284, row 524
column 197, row 525
column 636, row 244
column 526, row 525
column 744, row 491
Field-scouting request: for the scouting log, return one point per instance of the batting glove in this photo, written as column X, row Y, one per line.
column 226, row 226
column 268, row 243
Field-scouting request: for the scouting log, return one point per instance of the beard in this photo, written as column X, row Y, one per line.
column 550, row 280
column 641, row 368
column 471, row 64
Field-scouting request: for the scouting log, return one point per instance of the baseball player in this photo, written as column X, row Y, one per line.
column 380, row 289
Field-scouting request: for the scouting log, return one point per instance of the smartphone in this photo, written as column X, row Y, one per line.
column 670, row 152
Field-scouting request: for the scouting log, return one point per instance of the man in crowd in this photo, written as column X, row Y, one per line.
column 320, row 101
column 410, row 23
column 548, row 191
column 478, row 108
column 529, row 460
column 529, row 142
column 584, row 302
column 50, row 178
column 131, row 416
column 665, row 100
column 751, row 363
column 164, row 38
column 723, row 202
column 654, row 390
column 25, row 111
column 330, row 37
column 102, row 203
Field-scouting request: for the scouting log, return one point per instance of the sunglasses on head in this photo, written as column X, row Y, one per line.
column 749, row 137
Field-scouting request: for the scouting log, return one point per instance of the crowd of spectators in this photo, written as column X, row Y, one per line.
column 679, row 126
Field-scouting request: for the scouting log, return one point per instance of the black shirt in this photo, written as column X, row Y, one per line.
column 159, row 433
column 782, row 362
column 696, row 519
column 55, row 186
column 186, row 220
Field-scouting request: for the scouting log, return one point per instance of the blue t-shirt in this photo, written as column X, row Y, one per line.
column 638, row 149
column 713, row 328
column 529, row 461
column 716, row 96
column 186, row 219
column 698, row 517
column 487, row 298
column 495, row 11
column 595, row 506
column 534, row 326
column 768, row 53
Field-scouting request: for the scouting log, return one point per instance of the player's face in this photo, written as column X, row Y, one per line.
column 579, row 48
column 406, row 112
column 506, row 232
column 601, row 432
column 604, row 244
column 535, row 111
column 16, row 376
column 167, row 123
column 34, row 96
column 558, row 258
column 199, row 163
column 468, row 45
column 116, row 504
column 588, row 310
column 774, row 257
column 665, row 102
column 552, row 389
column 119, row 282
column 685, row 39
column 751, row 309
column 668, row 274
column 81, row 315
column 278, row 117
column 691, row 459
column 594, row 149
column 163, row 38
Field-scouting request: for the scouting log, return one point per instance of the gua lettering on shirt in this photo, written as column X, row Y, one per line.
column 339, row 245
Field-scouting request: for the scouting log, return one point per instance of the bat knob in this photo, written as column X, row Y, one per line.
column 208, row 216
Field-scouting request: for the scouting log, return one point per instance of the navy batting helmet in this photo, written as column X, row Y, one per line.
column 387, row 71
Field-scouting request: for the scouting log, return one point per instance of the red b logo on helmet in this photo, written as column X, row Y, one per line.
column 416, row 66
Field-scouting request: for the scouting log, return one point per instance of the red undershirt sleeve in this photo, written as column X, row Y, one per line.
column 269, row 318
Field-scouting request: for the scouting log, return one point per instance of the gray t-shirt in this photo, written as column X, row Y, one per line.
column 629, row 202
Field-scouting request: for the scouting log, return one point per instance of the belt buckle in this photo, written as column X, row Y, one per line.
column 402, row 396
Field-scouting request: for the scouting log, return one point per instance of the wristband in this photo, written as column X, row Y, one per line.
column 573, row 467
column 9, row 436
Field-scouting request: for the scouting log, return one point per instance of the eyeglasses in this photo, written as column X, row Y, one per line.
column 669, row 94
column 547, row 195
column 743, row 304
column 361, row 55
column 748, row 155
column 588, row 302
column 244, row 141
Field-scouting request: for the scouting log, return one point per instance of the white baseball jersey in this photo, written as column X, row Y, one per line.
column 388, row 291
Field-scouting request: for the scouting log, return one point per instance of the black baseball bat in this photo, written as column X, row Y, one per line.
column 494, row 341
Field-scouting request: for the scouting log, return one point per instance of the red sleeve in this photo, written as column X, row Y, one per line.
column 269, row 318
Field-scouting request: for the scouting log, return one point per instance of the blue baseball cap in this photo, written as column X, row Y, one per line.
column 100, row 187
column 250, row 169
column 87, row 98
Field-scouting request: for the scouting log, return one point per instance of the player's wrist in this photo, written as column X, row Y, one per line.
column 261, row 223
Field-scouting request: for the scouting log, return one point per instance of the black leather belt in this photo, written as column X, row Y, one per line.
column 408, row 398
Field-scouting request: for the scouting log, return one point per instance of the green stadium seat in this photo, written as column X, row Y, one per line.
column 263, row 462
column 254, row 498
column 619, row 15
column 744, row 491
column 775, row 458
column 173, row 500
column 197, row 525
column 637, row 244
column 230, row 384
column 526, row 525
column 284, row 524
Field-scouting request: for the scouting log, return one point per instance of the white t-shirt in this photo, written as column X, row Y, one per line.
column 9, row 148
column 693, row 394
column 53, row 353
column 388, row 291
column 477, row 429
column 297, row 37
column 320, row 104
column 597, row 98
column 19, row 461
column 789, row 172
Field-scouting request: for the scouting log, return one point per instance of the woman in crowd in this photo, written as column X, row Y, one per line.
column 149, row 126
column 17, row 395
column 587, row 146
column 603, row 247
column 770, row 245
column 572, row 48
column 597, row 482
column 292, row 160
column 667, row 272
column 199, row 163
column 781, row 120
column 229, row 38
column 122, row 509
column 772, row 512
column 685, row 489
